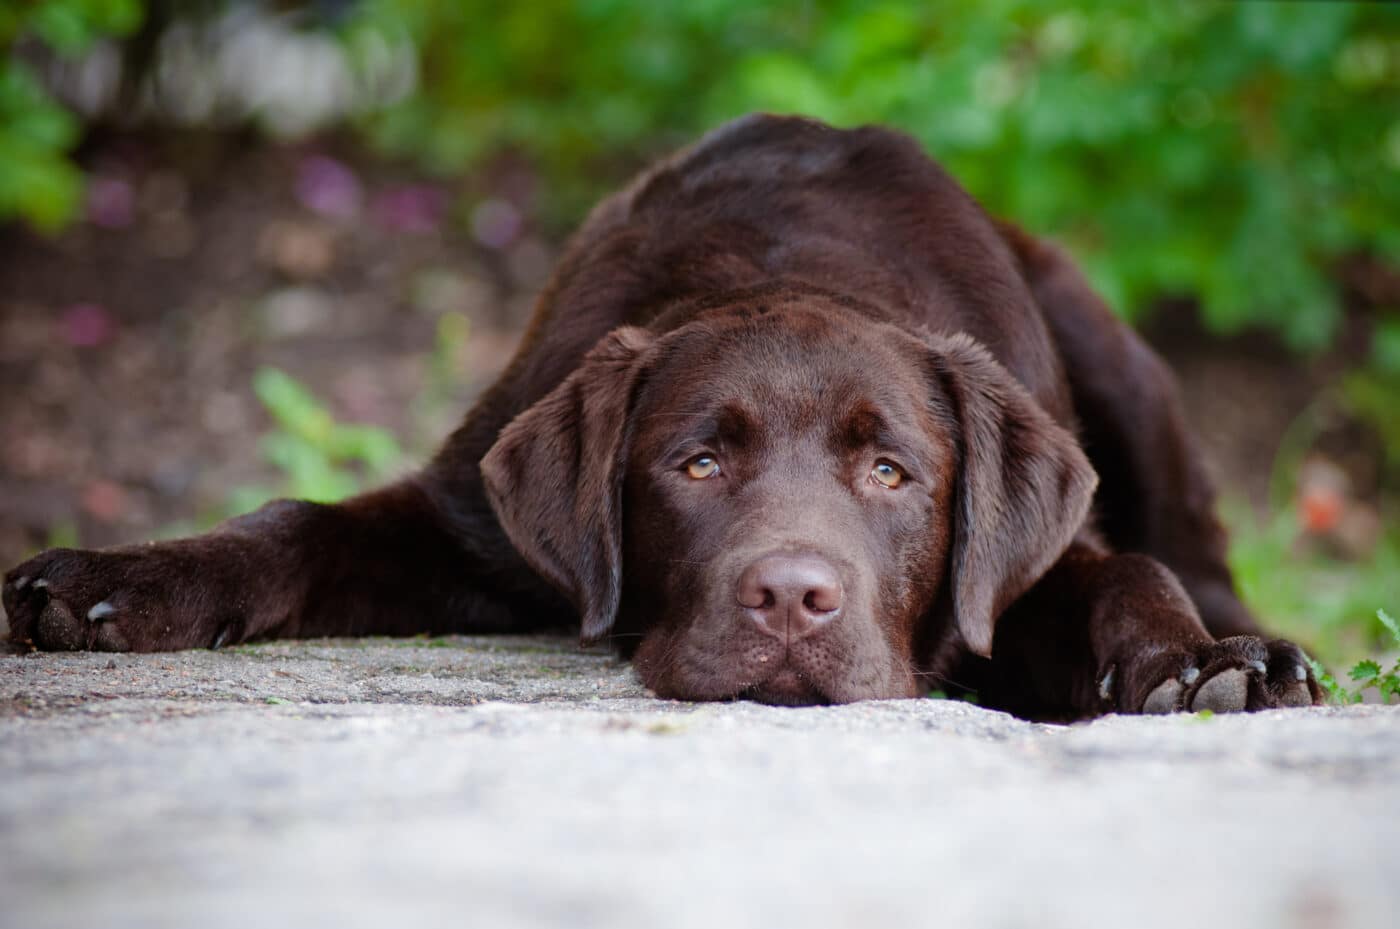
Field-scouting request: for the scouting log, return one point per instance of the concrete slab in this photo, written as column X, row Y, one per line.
column 496, row 782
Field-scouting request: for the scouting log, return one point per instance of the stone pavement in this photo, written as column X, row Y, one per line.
column 499, row 782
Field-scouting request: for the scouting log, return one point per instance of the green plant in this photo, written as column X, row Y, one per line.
column 1215, row 150
column 1366, row 673
column 1219, row 150
column 1308, row 595
column 1307, row 592
column 966, row 696
column 37, row 182
column 320, row 459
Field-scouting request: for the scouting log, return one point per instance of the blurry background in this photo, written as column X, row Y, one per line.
column 260, row 248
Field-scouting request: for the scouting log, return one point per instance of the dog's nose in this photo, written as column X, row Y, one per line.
column 790, row 595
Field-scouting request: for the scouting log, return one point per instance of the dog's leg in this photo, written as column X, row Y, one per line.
column 1104, row 633
column 391, row 562
column 424, row 555
column 1154, row 493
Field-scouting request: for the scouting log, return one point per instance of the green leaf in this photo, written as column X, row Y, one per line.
column 1389, row 623
column 293, row 406
column 1364, row 671
column 62, row 27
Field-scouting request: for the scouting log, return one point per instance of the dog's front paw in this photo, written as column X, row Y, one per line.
column 1241, row 673
column 144, row 599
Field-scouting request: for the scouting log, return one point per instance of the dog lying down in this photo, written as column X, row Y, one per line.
column 796, row 422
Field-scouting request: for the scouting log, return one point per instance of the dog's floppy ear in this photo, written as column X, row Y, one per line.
column 1023, row 491
column 554, row 478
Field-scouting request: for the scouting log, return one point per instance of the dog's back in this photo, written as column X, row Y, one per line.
column 769, row 198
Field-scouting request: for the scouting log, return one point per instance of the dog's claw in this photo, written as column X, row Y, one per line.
column 20, row 583
column 100, row 612
column 41, row 582
column 1259, row 666
column 1188, row 677
column 1106, row 685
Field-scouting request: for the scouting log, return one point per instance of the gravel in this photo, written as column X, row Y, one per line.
column 497, row 782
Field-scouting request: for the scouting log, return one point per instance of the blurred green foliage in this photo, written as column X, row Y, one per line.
column 320, row 459
column 1220, row 150
column 1327, row 603
column 37, row 182
column 1315, row 594
column 1217, row 150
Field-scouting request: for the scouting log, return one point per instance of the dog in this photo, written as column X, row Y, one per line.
column 795, row 421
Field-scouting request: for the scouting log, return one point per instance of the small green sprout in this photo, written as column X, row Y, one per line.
column 1366, row 674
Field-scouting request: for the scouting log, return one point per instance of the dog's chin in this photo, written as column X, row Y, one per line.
column 788, row 687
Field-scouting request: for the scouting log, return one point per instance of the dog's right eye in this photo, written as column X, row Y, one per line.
column 887, row 474
column 702, row 466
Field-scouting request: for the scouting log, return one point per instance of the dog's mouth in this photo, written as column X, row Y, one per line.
column 787, row 687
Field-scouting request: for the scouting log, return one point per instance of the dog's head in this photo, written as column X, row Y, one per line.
column 788, row 500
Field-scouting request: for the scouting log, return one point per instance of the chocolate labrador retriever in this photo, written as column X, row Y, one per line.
column 796, row 422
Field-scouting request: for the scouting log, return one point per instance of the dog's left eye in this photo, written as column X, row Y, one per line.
column 702, row 466
column 886, row 474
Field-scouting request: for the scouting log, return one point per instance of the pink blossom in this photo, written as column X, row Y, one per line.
column 111, row 202
column 496, row 223
column 326, row 186
column 411, row 208
column 87, row 325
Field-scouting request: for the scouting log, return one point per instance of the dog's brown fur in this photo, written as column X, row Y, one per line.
column 809, row 311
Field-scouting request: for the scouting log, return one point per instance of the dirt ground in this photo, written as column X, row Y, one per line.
column 128, row 344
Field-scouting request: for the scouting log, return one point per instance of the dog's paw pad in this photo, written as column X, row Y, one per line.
column 1165, row 698
column 1296, row 695
column 58, row 629
column 1296, row 692
column 109, row 638
column 1241, row 673
column 1226, row 692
